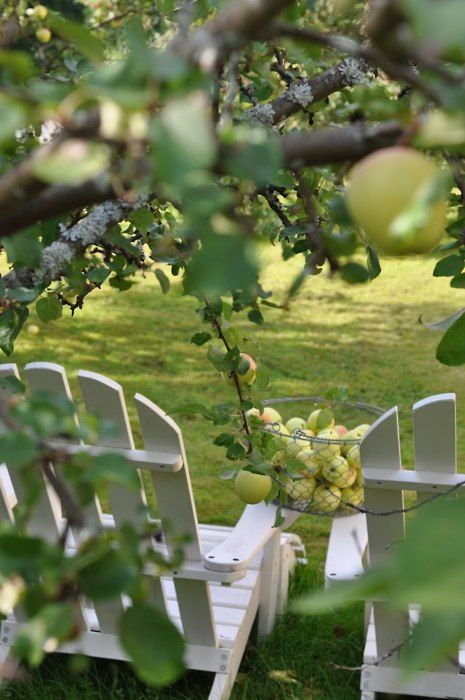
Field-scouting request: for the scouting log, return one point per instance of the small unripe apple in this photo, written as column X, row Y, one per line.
column 383, row 186
column 301, row 489
column 248, row 377
column 252, row 488
column 40, row 11
column 326, row 498
column 296, row 424
column 320, row 419
column 353, row 457
column 44, row 35
column 307, row 457
column 338, row 472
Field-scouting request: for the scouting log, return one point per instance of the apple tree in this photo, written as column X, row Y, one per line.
column 174, row 139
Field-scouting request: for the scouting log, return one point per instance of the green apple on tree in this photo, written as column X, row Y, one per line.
column 252, row 488
column 43, row 35
column 387, row 184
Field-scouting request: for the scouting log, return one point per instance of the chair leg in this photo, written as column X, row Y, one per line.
column 222, row 686
column 8, row 664
column 368, row 695
column 269, row 584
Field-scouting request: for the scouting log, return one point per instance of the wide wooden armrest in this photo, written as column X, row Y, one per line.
column 253, row 530
column 347, row 544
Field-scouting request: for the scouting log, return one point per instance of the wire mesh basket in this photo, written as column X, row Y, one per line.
column 323, row 439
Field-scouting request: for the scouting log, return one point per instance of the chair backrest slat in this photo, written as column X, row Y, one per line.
column 50, row 377
column 380, row 448
column 175, row 502
column 104, row 398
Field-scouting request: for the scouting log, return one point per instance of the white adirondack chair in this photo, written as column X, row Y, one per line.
column 229, row 574
column 384, row 484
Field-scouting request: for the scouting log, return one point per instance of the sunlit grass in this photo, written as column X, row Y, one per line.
column 366, row 337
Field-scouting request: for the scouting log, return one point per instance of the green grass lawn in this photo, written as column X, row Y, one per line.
column 366, row 337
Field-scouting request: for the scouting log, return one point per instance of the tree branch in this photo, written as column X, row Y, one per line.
column 234, row 26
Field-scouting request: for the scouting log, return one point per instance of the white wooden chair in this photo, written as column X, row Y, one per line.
column 384, row 484
column 229, row 574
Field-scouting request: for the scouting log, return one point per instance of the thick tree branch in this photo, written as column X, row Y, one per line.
column 238, row 23
column 57, row 257
column 302, row 93
column 350, row 143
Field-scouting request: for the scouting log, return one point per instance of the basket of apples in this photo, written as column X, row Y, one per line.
column 316, row 461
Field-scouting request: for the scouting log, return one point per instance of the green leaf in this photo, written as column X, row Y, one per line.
column 224, row 440
column 153, row 643
column 141, row 218
column 449, row 267
column 107, row 575
column 225, row 262
column 74, row 33
column 216, row 357
column 354, row 273
column 98, row 275
column 52, row 625
column 201, row 338
column 20, row 555
column 18, row 64
column 235, row 451
column 191, row 409
column 163, row 280
column 24, row 248
column 259, row 161
column 256, row 316
column 112, row 468
column 49, row 308
column 451, row 349
column 373, row 264
column 23, row 294
column 11, row 323
column 12, row 117
column 72, row 162
column 458, row 282
column 441, row 25
column 17, row 449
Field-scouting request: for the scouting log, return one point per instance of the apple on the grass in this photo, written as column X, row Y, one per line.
column 252, row 488
column 248, row 377
column 386, row 185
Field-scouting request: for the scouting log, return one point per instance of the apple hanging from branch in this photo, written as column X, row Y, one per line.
column 397, row 196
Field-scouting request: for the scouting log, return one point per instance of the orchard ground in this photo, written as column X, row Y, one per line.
column 366, row 337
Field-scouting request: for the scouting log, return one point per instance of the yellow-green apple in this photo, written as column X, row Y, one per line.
column 352, row 496
column 326, row 449
column 301, row 489
column 271, row 415
column 253, row 412
column 302, row 441
column 326, row 498
column 279, row 459
column 320, row 419
column 296, row 424
column 252, row 488
column 307, row 457
column 337, row 471
column 40, row 11
column 43, row 35
column 351, row 438
column 353, row 457
column 248, row 377
column 341, row 429
column 386, row 184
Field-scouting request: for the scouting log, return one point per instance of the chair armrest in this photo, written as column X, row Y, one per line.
column 347, row 543
column 252, row 531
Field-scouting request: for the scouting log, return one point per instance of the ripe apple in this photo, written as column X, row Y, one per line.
column 351, row 438
column 302, row 442
column 326, row 498
column 341, row 429
column 33, row 329
column 338, row 472
column 296, row 424
column 301, row 489
column 320, row 419
column 271, row 415
column 43, row 35
column 353, row 457
column 244, row 379
column 253, row 412
column 383, row 186
column 279, row 458
column 252, row 488
column 307, row 457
